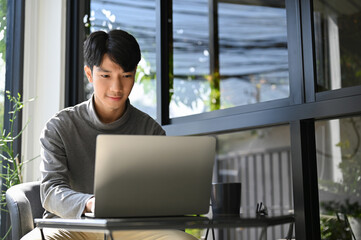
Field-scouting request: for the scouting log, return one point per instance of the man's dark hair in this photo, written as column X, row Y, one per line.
column 121, row 47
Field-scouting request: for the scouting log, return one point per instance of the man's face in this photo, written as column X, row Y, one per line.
column 112, row 87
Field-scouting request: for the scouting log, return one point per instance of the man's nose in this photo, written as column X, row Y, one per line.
column 116, row 85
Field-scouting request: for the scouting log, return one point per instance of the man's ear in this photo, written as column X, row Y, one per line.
column 88, row 73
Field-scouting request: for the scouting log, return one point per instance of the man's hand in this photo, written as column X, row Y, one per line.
column 89, row 206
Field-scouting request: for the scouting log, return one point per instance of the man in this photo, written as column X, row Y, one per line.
column 68, row 139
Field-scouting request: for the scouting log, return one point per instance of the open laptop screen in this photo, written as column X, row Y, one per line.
column 139, row 176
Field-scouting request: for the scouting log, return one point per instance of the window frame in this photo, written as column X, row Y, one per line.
column 75, row 36
column 13, row 76
column 294, row 42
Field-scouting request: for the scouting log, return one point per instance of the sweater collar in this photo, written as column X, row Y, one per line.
column 107, row 126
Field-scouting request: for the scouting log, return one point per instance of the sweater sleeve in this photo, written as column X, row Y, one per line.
column 56, row 194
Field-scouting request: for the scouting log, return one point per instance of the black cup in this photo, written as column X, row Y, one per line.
column 226, row 198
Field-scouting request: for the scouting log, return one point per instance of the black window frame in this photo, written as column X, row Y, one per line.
column 300, row 111
column 13, row 76
column 74, row 60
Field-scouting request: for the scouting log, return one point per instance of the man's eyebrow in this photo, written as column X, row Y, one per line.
column 102, row 69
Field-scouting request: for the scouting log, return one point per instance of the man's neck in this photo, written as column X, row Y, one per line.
column 109, row 116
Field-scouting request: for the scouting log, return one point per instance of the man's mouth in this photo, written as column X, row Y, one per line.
column 115, row 97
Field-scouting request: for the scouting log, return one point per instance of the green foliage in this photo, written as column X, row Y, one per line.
column 3, row 11
column 350, row 165
column 351, row 169
column 9, row 160
column 334, row 228
column 215, row 97
column 1, row 113
column 144, row 75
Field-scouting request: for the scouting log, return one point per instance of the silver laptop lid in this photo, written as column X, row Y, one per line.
column 139, row 176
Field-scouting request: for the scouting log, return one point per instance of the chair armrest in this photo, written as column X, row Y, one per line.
column 21, row 209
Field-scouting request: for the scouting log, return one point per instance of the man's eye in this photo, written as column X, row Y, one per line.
column 104, row 76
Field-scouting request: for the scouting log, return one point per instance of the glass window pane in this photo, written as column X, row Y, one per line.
column 253, row 56
column 190, row 88
column 3, row 11
column 338, row 145
column 138, row 18
column 253, row 53
column 260, row 159
column 337, row 28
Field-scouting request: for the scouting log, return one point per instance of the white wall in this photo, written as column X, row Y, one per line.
column 44, row 71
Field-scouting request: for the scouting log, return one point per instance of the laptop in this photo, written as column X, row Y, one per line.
column 153, row 176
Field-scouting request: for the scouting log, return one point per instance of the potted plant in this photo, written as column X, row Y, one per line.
column 9, row 159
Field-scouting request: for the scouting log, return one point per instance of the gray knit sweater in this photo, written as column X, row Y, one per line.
column 68, row 154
